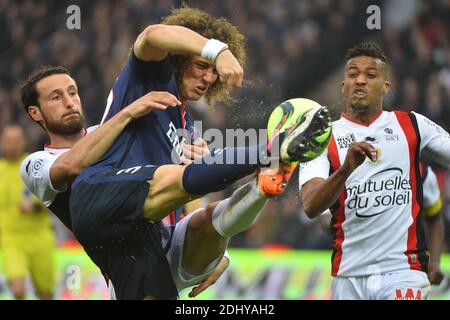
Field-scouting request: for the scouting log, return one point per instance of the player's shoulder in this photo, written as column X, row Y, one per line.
column 42, row 154
column 421, row 119
column 396, row 115
column 337, row 122
column 35, row 161
column 411, row 114
column 427, row 125
column 341, row 125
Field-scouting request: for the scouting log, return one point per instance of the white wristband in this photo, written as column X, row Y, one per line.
column 212, row 49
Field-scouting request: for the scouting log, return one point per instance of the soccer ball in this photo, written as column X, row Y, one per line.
column 307, row 127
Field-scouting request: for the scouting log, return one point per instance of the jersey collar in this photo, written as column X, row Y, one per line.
column 359, row 123
column 54, row 150
column 57, row 150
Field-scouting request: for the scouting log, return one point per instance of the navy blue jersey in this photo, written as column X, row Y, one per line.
column 152, row 139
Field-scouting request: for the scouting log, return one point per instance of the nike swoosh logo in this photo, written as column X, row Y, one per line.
column 369, row 215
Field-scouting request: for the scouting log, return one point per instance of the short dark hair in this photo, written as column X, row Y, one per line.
column 28, row 93
column 369, row 49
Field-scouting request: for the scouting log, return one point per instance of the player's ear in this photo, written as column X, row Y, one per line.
column 342, row 87
column 386, row 86
column 35, row 113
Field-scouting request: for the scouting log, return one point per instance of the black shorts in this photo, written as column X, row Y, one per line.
column 107, row 205
column 137, row 267
column 107, row 220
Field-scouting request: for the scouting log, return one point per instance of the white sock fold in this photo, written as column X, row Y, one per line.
column 237, row 213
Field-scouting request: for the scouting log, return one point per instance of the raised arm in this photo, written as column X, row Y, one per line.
column 91, row 147
column 156, row 41
column 320, row 194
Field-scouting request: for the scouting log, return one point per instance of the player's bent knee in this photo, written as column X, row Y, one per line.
column 165, row 192
column 210, row 208
column 201, row 222
column 167, row 177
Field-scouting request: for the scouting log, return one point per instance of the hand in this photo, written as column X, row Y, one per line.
column 229, row 70
column 194, row 151
column 435, row 274
column 357, row 153
column 152, row 100
column 211, row 279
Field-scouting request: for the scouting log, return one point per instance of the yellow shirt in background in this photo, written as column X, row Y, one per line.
column 13, row 222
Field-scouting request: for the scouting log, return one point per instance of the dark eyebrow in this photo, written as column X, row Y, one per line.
column 367, row 69
column 72, row 86
column 352, row 67
column 203, row 63
column 55, row 91
column 59, row 91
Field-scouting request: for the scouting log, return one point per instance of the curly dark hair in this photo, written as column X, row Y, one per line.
column 209, row 27
column 368, row 49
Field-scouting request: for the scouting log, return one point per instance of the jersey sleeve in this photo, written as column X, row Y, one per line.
column 435, row 141
column 432, row 203
column 35, row 172
column 155, row 70
column 317, row 168
column 133, row 78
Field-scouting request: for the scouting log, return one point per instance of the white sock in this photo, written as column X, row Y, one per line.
column 238, row 212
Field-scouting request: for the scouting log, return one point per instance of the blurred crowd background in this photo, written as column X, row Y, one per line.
column 295, row 49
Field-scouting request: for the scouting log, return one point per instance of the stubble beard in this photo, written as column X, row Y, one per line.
column 359, row 107
column 68, row 129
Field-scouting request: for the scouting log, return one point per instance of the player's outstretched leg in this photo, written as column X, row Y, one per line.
column 208, row 230
column 302, row 133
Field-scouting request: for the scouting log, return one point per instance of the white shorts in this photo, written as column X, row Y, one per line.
column 180, row 276
column 398, row 285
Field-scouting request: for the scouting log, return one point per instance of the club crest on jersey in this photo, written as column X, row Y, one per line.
column 345, row 141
